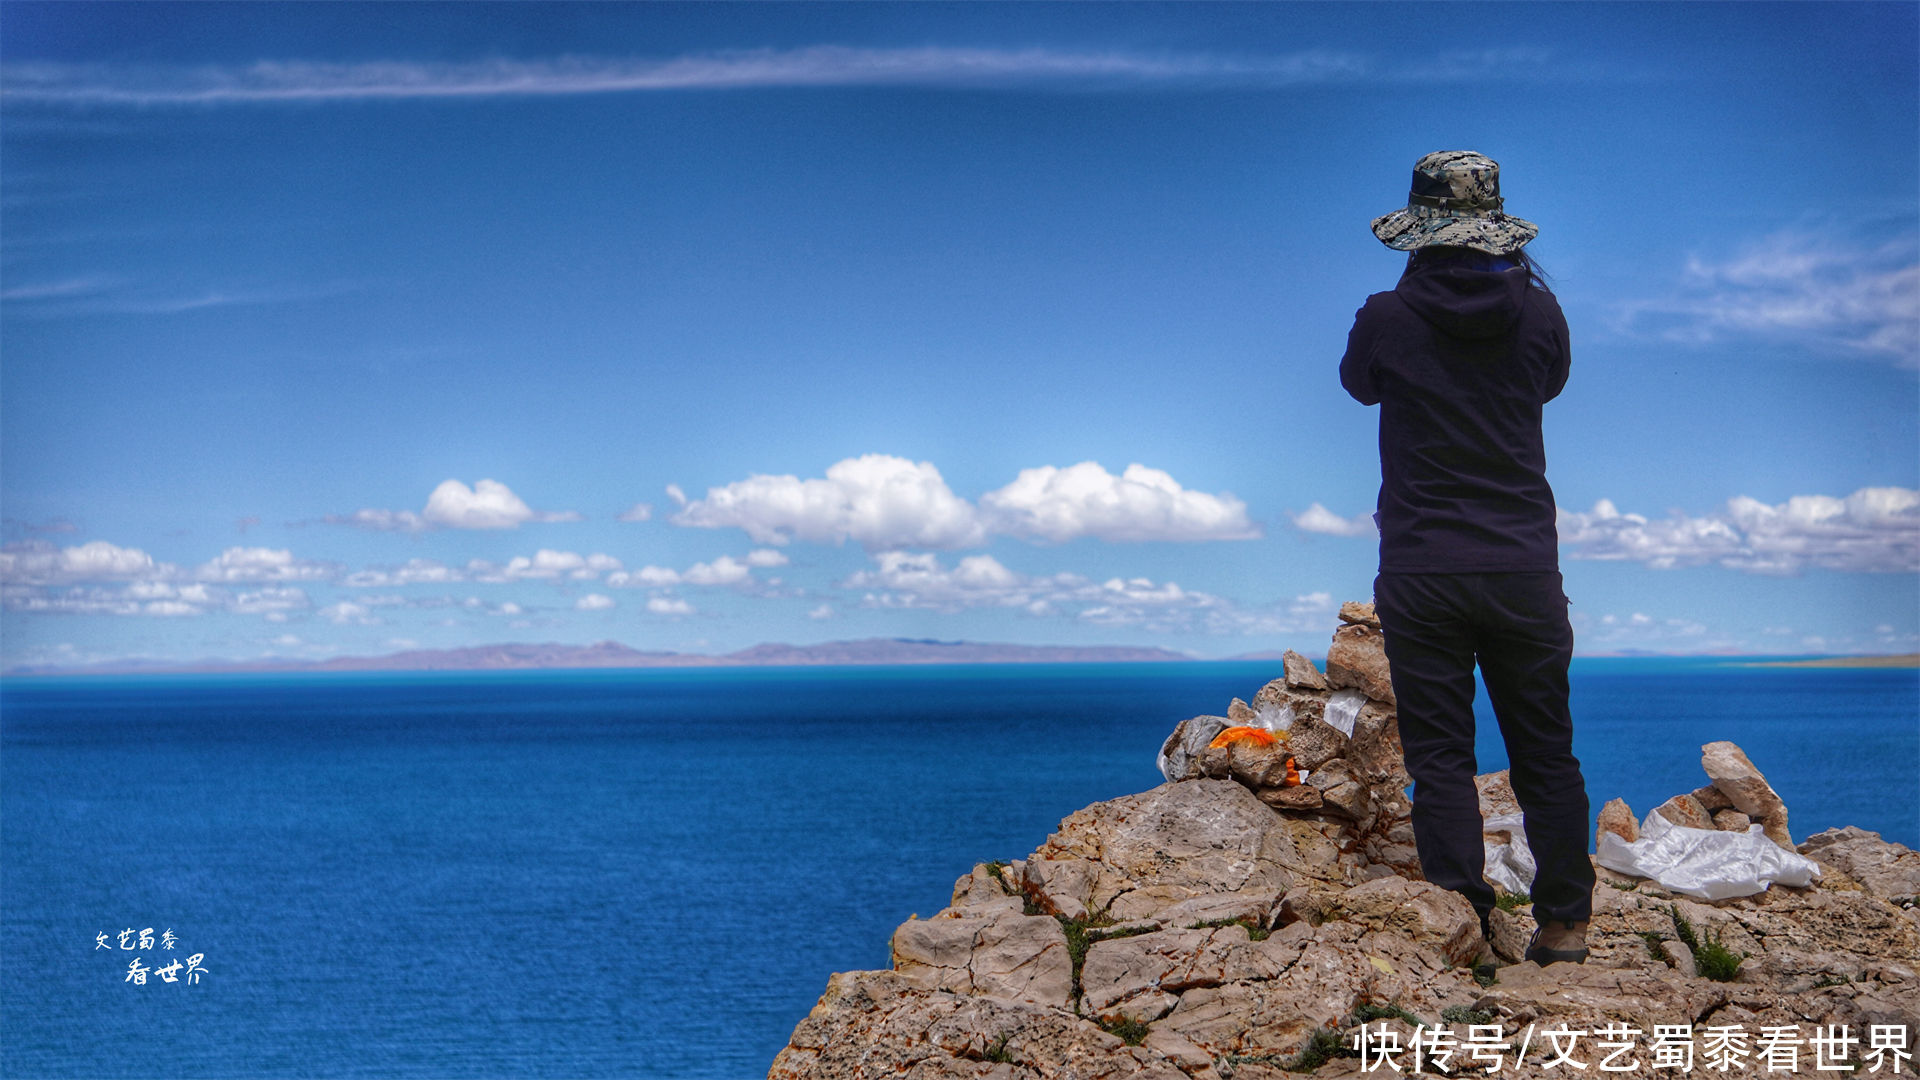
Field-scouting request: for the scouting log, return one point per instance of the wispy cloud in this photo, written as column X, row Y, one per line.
column 488, row 504
column 296, row 81
column 1795, row 286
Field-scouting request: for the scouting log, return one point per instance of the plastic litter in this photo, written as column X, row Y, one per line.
column 1509, row 865
column 1706, row 863
column 1275, row 718
column 1343, row 708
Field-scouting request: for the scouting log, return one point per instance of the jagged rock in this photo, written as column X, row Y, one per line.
column 1616, row 817
column 1142, row 853
column 1240, row 713
column 1340, row 791
column 1496, row 794
column 1884, row 869
column 1353, row 613
column 1358, row 659
column 1259, row 766
column 1311, row 743
column 1304, row 704
column 1298, row 797
column 1685, row 810
column 1301, row 674
column 872, row 1024
column 979, row 894
column 984, row 990
column 1169, row 963
column 1019, row 957
column 1730, row 770
column 1426, row 913
column 1712, row 798
column 1731, row 820
column 1179, row 755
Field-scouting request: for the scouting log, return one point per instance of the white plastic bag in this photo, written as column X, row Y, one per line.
column 1343, row 708
column 1509, row 865
column 1707, row 863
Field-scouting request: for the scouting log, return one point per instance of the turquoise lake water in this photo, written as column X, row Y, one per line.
column 648, row 873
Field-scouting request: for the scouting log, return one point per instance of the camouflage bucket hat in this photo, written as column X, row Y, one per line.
column 1455, row 201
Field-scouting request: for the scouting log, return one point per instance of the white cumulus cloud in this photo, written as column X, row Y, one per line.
column 766, row 558
column 40, row 563
column 1873, row 530
column 488, row 504
column 661, row 605
column 263, row 564
column 1319, row 519
column 593, row 602
column 877, row 500
column 1058, row 505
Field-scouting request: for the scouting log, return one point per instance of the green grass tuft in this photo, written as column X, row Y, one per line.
column 1132, row 1032
column 998, row 1051
column 1711, row 957
column 1322, row 1046
column 1461, row 1014
column 1507, row 901
column 1656, row 946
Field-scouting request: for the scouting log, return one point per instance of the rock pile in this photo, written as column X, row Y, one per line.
column 1228, row 925
column 1735, row 797
column 1340, row 730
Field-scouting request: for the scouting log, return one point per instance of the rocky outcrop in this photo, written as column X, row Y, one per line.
column 1217, row 926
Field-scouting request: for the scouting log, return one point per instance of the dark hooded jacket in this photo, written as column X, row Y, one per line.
column 1460, row 361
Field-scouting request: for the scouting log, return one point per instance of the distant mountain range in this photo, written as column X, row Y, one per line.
column 612, row 654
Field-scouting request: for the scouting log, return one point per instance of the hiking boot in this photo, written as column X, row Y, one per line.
column 1558, row 941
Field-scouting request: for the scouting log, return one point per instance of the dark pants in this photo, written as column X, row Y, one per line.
column 1435, row 627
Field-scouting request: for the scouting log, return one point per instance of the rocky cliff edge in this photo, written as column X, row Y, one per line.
column 1243, row 921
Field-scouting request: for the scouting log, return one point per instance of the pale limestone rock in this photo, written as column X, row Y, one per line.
column 1509, row 937
column 1301, row 674
column 1339, row 790
column 1353, row 612
column 1298, row 797
column 1428, row 914
column 1496, row 793
column 1259, row 766
column 1018, row 957
column 1883, row 869
column 1240, row 713
column 1731, row 820
column 1146, row 852
column 1616, row 817
column 1358, row 659
column 1730, row 770
column 1775, row 826
column 1374, row 750
column 1062, row 885
column 1180, row 753
column 1173, row 961
column 1685, row 810
column 1256, row 906
column 1306, row 704
column 1712, row 798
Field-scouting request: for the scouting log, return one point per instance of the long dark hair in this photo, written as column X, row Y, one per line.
column 1474, row 258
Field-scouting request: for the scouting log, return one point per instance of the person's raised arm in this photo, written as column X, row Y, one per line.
column 1356, row 367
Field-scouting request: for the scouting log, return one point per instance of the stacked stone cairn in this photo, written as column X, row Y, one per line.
column 1239, row 923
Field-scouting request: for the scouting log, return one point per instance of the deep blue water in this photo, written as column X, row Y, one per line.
column 648, row 873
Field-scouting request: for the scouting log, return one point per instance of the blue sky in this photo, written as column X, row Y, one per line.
column 336, row 330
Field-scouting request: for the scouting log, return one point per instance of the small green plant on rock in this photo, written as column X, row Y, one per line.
column 1323, row 1045
column 1656, row 946
column 1255, row 932
column 998, row 1051
column 1461, row 1014
column 1507, row 901
column 1711, row 957
column 1131, row 1031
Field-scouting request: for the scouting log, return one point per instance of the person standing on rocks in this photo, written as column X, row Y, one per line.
column 1460, row 356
